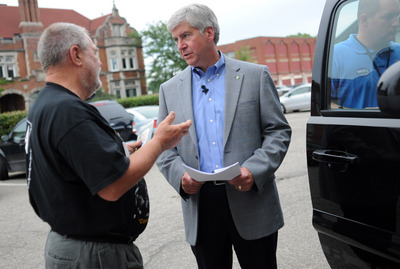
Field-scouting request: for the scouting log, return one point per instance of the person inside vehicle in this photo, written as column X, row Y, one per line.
column 359, row 61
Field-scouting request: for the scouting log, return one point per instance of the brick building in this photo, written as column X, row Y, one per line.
column 21, row 77
column 289, row 59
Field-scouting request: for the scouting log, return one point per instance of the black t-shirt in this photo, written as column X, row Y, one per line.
column 73, row 154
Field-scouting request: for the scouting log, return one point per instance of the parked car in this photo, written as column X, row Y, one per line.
column 12, row 146
column 116, row 115
column 282, row 89
column 142, row 115
column 353, row 154
column 12, row 150
column 298, row 98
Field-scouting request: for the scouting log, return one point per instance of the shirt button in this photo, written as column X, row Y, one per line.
column 211, row 120
column 209, row 80
column 210, row 99
column 217, row 166
column 214, row 143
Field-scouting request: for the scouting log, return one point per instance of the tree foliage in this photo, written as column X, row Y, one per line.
column 160, row 47
column 301, row 35
column 245, row 54
column 9, row 119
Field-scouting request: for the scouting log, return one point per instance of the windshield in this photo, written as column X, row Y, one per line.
column 148, row 112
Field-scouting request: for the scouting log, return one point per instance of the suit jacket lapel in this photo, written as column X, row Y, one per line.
column 233, row 84
column 185, row 90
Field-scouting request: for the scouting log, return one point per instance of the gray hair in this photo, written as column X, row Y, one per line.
column 57, row 39
column 198, row 16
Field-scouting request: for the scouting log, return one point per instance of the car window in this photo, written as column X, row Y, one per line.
column 19, row 131
column 111, row 111
column 301, row 90
column 363, row 45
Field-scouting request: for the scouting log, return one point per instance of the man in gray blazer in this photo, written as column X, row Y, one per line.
column 237, row 118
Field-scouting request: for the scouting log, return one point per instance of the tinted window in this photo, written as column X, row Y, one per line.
column 111, row 111
column 363, row 45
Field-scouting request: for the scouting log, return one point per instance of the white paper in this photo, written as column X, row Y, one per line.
column 226, row 173
column 146, row 132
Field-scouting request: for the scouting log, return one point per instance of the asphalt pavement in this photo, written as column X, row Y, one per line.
column 163, row 245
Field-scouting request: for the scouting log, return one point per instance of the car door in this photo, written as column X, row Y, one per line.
column 14, row 147
column 353, row 158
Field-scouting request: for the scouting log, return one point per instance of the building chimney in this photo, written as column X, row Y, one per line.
column 30, row 16
column 29, row 10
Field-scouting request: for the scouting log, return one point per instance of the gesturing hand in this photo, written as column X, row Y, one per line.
column 170, row 135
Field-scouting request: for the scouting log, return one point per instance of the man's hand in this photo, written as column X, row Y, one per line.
column 165, row 137
column 169, row 135
column 243, row 182
column 133, row 146
column 189, row 185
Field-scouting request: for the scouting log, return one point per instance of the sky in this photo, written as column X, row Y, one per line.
column 251, row 18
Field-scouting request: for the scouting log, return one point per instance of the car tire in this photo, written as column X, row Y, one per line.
column 283, row 109
column 3, row 170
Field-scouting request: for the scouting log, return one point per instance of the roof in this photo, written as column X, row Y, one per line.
column 10, row 19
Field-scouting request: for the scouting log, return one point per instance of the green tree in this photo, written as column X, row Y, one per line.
column 301, row 35
column 160, row 47
column 245, row 54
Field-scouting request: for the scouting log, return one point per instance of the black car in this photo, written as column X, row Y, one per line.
column 353, row 147
column 118, row 118
column 12, row 150
column 12, row 146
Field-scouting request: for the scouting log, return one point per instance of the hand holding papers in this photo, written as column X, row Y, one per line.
column 226, row 173
column 146, row 132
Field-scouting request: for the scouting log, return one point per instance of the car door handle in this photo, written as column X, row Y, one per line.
column 334, row 156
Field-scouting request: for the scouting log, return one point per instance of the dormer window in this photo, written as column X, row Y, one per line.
column 118, row 30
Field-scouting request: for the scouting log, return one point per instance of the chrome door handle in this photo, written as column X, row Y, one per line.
column 334, row 156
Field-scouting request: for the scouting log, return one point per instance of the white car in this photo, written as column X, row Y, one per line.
column 282, row 89
column 299, row 98
column 142, row 115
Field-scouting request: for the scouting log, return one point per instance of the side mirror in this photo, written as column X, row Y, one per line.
column 389, row 90
column 4, row 138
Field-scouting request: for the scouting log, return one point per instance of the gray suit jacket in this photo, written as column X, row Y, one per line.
column 256, row 134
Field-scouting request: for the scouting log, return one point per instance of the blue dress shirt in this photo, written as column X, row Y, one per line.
column 208, row 91
column 356, row 71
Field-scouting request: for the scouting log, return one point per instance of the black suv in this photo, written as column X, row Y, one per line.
column 118, row 118
column 12, row 150
column 353, row 134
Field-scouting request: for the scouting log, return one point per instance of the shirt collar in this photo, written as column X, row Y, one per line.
column 361, row 49
column 216, row 68
column 358, row 46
